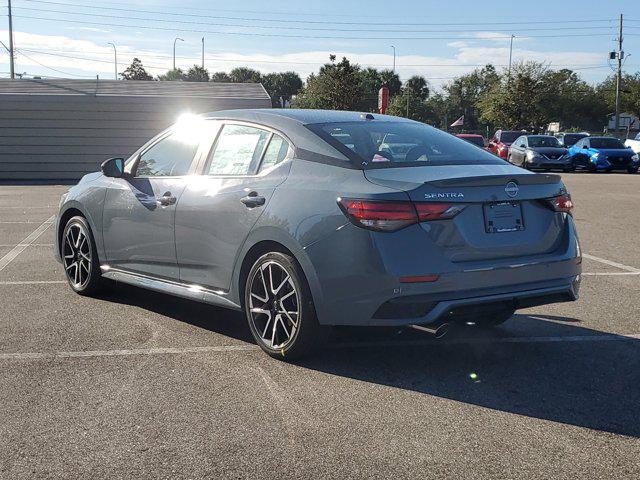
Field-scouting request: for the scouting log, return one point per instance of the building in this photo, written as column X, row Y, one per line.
column 62, row 129
column 627, row 121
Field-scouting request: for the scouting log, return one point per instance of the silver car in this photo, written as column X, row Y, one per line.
column 300, row 219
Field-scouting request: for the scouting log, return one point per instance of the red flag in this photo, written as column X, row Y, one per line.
column 459, row 122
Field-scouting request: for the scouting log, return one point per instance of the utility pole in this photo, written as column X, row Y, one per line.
column 394, row 58
column 174, row 50
column 115, row 59
column 510, row 55
column 11, row 54
column 619, row 73
column 203, row 53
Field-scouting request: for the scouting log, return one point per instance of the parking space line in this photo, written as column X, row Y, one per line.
column 621, row 266
column 18, row 249
column 250, row 348
column 30, row 245
column 610, row 274
column 32, row 282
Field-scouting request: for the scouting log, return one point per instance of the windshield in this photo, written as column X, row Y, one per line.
column 479, row 141
column 572, row 139
column 543, row 142
column 509, row 137
column 391, row 144
column 606, row 143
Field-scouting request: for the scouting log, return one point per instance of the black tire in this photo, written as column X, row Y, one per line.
column 83, row 269
column 632, row 170
column 570, row 168
column 271, row 310
column 494, row 319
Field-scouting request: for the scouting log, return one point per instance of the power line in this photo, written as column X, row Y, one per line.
column 310, row 37
column 288, row 27
column 51, row 68
column 290, row 21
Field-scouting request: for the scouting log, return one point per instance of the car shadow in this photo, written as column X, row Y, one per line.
column 540, row 366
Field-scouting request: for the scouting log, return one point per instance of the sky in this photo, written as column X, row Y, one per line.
column 436, row 39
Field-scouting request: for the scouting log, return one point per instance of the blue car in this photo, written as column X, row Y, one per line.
column 603, row 154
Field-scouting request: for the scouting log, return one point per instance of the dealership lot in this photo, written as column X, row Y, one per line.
column 135, row 383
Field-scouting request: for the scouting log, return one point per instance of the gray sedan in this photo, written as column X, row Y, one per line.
column 303, row 220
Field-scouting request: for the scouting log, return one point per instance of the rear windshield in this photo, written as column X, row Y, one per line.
column 372, row 144
column 606, row 143
column 572, row 138
column 509, row 137
column 543, row 142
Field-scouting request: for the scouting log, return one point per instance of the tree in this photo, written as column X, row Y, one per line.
column 464, row 93
column 136, row 71
column 197, row 74
column 418, row 87
column 172, row 75
column 281, row 86
column 337, row 86
column 410, row 106
column 629, row 93
column 245, row 75
column 392, row 80
column 221, row 77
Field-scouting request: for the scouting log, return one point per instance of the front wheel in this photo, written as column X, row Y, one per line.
column 632, row 170
column 279, row 308
column 80, row 258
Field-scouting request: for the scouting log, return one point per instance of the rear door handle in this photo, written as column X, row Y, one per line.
column 253, row 200
column 166, row 199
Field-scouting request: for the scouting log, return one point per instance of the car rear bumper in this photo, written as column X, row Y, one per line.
column 366, row 289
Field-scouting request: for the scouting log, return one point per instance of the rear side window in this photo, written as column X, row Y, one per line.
column 171, row 156
column 275, row 153
column 372, row 144
column 237, row 150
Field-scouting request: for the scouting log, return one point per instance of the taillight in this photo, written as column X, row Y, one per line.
column 561, row 203
column 390, row 216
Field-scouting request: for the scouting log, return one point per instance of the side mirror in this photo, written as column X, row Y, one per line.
column 584, row 146
column 114, row 167
column 522, row 145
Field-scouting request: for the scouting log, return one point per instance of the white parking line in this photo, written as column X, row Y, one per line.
column 610, row 274
column 18, row 249
column 621, row 266
column 33, row 282
column 31, row 245
column 250, row 348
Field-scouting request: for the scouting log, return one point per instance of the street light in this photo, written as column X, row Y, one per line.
column 174, row 50
column 394, row 58
column 115, row 59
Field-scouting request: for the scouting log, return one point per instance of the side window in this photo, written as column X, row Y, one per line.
column 520, row 141
column 171, row 156
column 276, row 152
column 237, row 150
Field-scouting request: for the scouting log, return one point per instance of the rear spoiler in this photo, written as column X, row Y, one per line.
column 497, row 180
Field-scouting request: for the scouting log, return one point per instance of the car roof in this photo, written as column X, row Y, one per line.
column 468, row 135
column 301, row 116
column 539, row 136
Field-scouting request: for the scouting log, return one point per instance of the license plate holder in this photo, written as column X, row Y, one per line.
column 503, row 217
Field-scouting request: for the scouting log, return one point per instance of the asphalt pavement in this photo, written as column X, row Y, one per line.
column 136, row 384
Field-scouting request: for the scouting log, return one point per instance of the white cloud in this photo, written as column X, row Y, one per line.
column 57, row 51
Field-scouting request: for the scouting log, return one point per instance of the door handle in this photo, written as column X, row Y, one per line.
column 166, row 199
column 253, row 200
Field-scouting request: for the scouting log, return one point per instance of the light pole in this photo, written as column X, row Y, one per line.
column 510, row 55
column 203, row 52
column 394, row 58
column 115, row 59
column 11, row 54
column 174, row 50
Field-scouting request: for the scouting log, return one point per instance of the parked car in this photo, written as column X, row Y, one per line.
column 477, row 140
column 569, row 139
column 502, row 140
column 633, row 144
column 539, row 151
column 296, row 218
column 603, row 154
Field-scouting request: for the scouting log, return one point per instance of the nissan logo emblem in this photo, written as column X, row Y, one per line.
column 512, row 189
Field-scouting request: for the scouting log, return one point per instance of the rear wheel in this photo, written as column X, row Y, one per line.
column 279, row 308
column 632, row 169
column 493, row 319
column 80, row 258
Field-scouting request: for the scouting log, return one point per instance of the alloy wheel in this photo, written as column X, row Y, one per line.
column 274, row 305
column 77, row 256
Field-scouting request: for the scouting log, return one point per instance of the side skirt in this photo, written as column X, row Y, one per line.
column 190, row 291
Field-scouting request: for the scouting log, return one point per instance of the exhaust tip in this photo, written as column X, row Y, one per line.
column 442, row 330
